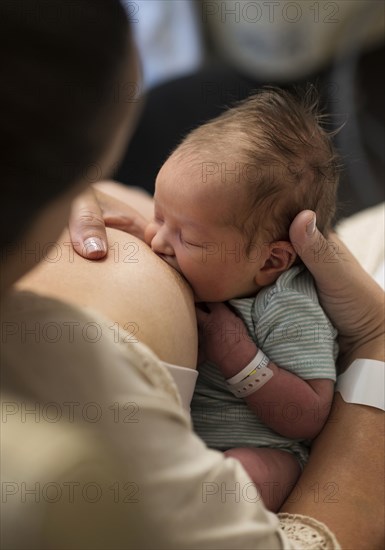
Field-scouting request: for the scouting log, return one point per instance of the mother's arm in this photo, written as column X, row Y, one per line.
column 343, row 483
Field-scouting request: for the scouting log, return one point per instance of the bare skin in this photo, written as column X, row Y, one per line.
column 121, row 288
column 274, row 472
column 343, row 482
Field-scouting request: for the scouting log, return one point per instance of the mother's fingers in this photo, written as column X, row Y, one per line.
column 120, row 215
column 339, row 278
column 327, row 259
column 86, row 226
column 95, row 210
column 350, row 296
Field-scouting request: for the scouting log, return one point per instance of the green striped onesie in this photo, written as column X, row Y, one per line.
column 287, row 322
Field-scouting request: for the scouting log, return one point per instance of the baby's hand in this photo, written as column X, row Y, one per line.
column 222, row 334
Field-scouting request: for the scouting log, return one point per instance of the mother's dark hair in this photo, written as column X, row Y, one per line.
column 60, row 66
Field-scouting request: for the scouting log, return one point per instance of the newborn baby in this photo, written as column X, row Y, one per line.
column 224, row 202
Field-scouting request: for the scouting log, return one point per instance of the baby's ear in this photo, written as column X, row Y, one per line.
column 281, row 256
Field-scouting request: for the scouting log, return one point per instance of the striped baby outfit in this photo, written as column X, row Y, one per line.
column 286, row 321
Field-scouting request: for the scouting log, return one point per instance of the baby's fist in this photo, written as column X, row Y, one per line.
column 221, row 332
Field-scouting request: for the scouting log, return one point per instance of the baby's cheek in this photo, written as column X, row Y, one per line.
column 200, row 280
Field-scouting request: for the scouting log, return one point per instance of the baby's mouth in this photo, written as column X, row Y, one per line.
column 170, row 260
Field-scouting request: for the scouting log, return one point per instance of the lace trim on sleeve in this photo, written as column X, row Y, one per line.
column 306, row 533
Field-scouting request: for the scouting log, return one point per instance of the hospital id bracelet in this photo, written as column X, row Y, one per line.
column 252, row 377
column 363, row 383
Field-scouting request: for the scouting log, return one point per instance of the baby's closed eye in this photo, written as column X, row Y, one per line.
column 188, row 242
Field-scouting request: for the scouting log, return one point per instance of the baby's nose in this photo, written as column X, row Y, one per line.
column 156, row 237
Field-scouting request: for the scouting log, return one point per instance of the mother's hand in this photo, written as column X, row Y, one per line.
column 351, row 298
column 94, row 210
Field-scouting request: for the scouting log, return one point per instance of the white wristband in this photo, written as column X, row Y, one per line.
column 260, row 360
column 252, row 377
column 363, row 383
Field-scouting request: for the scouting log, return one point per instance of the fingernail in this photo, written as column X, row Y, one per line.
column 310, row 227
column 94, row 244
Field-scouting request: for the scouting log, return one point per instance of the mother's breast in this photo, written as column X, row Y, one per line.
column 132, row 286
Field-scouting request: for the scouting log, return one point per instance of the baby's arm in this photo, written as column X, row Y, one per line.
column 288, row 404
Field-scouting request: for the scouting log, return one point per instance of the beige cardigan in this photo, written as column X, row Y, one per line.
column 97, row 451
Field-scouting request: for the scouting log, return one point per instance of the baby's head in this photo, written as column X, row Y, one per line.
column 226, row 197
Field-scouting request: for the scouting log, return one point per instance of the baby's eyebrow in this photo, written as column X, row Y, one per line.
column 194, row 224
column 182, row 223
column 185, row 222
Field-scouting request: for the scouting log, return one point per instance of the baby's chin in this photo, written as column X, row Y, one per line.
column 208, row 296
column 213, row 295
